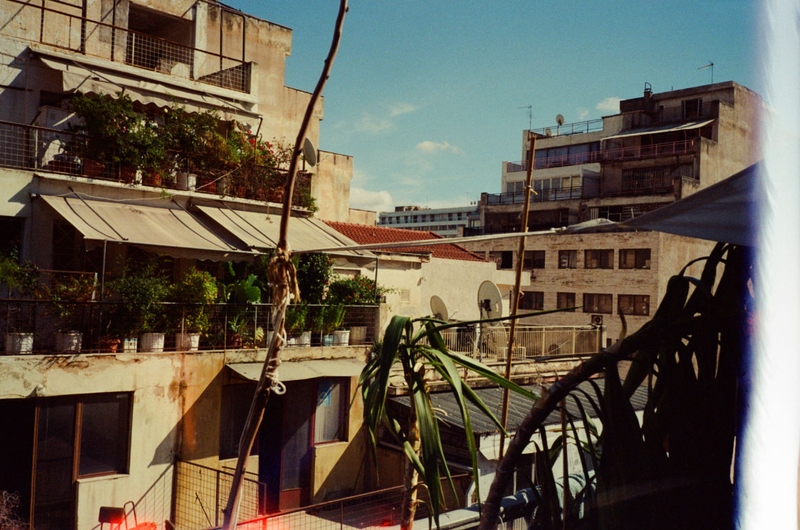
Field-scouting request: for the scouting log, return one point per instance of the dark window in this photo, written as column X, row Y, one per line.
column 105, row 432
column 634, row 304
column 597, row 303
column 565, row 300
column 330, row 423
column 634, row 258
column 534, row 259
column 532, row 300
column 598, row 259
column 65, row 247
column 235, row 405
column 503, row 258
column 692, row 108
column 567, row 259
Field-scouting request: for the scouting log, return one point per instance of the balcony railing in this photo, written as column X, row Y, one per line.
column 37, row 148
column 532, row 342
column 90, row 37
column 570, row 128
column 232, row 326
column 518, row 197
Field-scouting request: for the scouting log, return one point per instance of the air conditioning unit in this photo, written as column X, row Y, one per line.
column 597, row 320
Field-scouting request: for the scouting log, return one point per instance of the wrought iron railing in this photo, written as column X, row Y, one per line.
column 82, row 35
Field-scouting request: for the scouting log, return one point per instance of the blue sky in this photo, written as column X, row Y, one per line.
column 431, row 97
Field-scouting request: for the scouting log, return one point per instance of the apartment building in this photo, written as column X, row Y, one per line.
column 445, row 222
column 154, row 432
column 659, row 148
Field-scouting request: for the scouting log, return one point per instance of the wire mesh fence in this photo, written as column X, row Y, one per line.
column 490, row 342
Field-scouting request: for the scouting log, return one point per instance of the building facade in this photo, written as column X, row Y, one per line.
column 445, row 222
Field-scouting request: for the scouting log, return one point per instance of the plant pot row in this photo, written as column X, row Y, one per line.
column 72, row 342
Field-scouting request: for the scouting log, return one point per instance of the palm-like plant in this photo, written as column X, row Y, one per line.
column 416, row 347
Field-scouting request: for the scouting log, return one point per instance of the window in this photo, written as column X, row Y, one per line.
column 567, row 259
column 597, row 303
column 534, row 259
column 565, row 300
column 598, row 259
column 634, row 304
column 330, row 416
column 532, row 300
column 235, row 405
column 503, row 258
column 692, row 108
column 634, row 258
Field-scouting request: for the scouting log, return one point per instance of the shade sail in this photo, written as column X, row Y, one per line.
column 662, row 129
column 87, row 78
column 301, row 370
column 171, row 231
column 260, row 231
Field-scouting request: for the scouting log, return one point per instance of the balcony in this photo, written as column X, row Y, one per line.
column 42, row 149
column 518, row 197
column 72, row 32
column 532, row 342
column 567, row 129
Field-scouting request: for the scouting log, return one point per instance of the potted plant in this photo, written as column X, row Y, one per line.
column 196, row 291
column 140, row 293
column 67, row 295
column 295, row 324
column 20, row 281
column 331, row 317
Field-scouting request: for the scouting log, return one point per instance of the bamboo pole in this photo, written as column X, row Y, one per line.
column 517, row 292
column 282, row 277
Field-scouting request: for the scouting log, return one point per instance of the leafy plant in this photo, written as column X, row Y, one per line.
column 21, row 279
column 296, row 319
column 355, row 290
column 329, row 318
column 67, row 294
column 314, row 273
column 195, row 292
column 140, row 293
column 416, row 347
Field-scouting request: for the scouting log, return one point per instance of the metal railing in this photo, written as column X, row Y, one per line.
column 491, row 343
column 89, row 37
column 58, row 151
column 579, row 127
column 90, row 326
column 201, row 494
column 377, row 509
column 518, row 197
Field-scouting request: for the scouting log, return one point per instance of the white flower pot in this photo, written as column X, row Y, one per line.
column 186, row 181
column 187, row 341
column 341, row 337
column 304, row 339
column 130, row 345
column 151, row 342
column 69, row 341
column 358, row 334
column 19, row 343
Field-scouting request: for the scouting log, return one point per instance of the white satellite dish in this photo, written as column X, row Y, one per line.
column 560, row 120
column 309, row 153
column 438, row 308
column 490, row 300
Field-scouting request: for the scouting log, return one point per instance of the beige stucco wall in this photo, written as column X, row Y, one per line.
column 331, row 186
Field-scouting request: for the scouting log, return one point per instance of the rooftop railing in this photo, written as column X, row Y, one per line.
column 579, row 127
column 89, row 37
column 518, row 197
column 532, row 342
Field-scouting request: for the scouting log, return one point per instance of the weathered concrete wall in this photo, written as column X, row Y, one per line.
column 331, row 186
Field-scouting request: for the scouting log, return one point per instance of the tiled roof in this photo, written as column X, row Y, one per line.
column 368, row 234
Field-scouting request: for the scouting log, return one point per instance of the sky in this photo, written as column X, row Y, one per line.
column 430, row 98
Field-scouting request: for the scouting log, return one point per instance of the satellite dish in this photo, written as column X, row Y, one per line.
column 309, row 153
column 490, row 300
column 560, row 120
column 438, row 308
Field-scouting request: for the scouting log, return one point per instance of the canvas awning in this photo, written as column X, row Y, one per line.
column 301, row 370
column 87, row 78
column 171, row 231
column 259, row 231
column 661, row 129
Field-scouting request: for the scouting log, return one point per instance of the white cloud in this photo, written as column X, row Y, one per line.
column 398, row 109
column 371, row 124
column 609, row 104
column 429, row 146
column 377, row 201
column 375, row 122
column 582, row 113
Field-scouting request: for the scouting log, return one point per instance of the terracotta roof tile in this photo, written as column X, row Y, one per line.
column 368, row 234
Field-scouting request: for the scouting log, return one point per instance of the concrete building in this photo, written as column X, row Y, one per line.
column 445, row 222
column 661, row 147
column 150, row 431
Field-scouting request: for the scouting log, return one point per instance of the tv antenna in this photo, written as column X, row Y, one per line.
column 709, row 65
column 530, row 115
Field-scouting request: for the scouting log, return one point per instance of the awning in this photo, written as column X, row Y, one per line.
column 171, row 231
column 259, row 231
column 662, row 129
column 301, row 370
column 86, row 78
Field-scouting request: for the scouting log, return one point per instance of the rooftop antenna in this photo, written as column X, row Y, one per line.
column 530, row 115
column 709, row 65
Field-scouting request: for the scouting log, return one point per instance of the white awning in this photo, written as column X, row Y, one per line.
column 662, row 129
column 260, row 231
column 87, row 78
column 171, row 231
column 301, row 370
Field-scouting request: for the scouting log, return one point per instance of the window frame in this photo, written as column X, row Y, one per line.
column 343, row 431
column 562, row 301
column 634, row 303
column 534, row 259
column 571, row 261
column 640, row 256
column 598, row 259
column 536, row 299
column 600, row 307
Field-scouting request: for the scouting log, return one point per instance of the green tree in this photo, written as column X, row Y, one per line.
column 417, row 347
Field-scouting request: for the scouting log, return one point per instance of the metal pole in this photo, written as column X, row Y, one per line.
column 515, row 298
